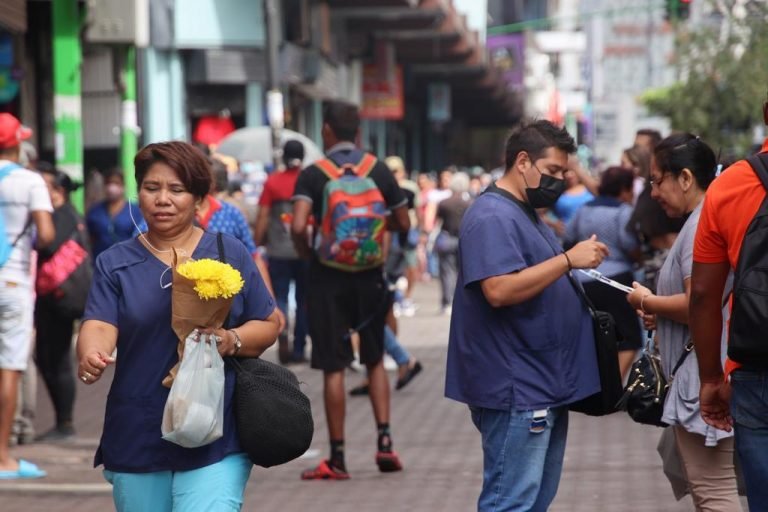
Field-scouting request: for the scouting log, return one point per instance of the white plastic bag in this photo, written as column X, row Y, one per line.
column 194, row 412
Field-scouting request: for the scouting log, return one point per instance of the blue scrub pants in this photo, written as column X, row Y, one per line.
column 218, row 487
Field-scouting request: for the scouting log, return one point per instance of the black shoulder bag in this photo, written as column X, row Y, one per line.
column 647, row 387
column 272, row 415
column 604, row 401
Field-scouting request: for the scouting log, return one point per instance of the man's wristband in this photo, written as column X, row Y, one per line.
column 568, row 260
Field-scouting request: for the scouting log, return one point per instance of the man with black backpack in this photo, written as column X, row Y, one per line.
column 25, row 209
column 352, row 197
column 732, row 235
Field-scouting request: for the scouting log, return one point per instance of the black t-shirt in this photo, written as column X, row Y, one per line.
column 451, row 211
column 311, row 182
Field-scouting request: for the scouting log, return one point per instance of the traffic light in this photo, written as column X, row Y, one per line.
column 677, row 10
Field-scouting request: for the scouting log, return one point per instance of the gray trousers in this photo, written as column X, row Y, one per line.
column 449, row 270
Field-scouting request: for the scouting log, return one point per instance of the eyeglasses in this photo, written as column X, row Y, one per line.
column 657, row 183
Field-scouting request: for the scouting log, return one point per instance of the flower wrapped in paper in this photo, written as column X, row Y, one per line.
column 202, row 295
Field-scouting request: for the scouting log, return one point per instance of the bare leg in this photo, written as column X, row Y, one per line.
column 9, row 388
column 379, row 391
column 626, row 358
column 334, row 404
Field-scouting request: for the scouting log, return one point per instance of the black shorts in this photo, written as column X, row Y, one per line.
column 613, row 301
column 338, row 301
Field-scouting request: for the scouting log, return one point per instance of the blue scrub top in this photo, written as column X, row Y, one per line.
column 106, row 231
column 126, row 292
column 533, row 355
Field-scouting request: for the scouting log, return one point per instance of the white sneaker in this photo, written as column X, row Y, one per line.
column 408, row 308
column 389, row 364
column 355, row 365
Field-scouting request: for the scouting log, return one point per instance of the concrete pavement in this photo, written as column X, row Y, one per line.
column 611, row 463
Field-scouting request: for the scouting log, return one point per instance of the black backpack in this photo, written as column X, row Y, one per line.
column 749, row 317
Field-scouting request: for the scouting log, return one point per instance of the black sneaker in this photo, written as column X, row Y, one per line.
column 57, row 435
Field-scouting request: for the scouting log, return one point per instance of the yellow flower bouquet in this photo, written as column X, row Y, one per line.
column 202, row 295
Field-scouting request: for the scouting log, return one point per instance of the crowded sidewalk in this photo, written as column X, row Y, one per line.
column 611, row 463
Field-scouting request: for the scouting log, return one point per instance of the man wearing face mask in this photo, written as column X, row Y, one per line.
column 521, row 344
column 110, row 221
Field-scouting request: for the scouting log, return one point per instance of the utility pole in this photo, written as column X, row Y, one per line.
column 67, row 106
column 129, row 126
column 275, row 110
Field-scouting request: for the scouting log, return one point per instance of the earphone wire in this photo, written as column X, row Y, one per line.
column 143, row 235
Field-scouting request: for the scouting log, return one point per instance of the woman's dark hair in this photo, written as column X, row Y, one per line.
column 616, row 180
column 190, row 164
column 343, row 118
column 220, row 175
column 535, row 138
column 114, row 172
column 640, row 158
column 60, row 178
column 687, row 151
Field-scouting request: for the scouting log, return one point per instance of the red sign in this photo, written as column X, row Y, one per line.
column 382, row 94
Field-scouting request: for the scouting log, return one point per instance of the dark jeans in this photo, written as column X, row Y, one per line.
column 282, row 272
column 53, row 355
column 749, row 408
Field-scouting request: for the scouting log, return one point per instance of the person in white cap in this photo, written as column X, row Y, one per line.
column 25, row 207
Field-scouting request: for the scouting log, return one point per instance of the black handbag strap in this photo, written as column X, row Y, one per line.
column 223, row 258
column 681, row 359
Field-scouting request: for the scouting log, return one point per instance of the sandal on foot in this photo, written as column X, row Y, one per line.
column 26, row 470
column 409, row 375
column 360, row 390
column 388, row 462
column 324, row 471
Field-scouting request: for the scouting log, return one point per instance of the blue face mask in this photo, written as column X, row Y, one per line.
column 547, row 193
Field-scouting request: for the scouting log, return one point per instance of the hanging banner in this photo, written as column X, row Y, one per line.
column 382, row 97
column 507, row 54
column 439, row 102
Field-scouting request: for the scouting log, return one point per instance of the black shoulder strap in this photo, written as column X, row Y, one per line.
column 686, row 351
column 220, row 244
column 223, row 259
column 576, row 285
column 759, row 164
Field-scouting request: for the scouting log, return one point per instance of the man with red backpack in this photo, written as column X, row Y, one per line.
column 352, row 197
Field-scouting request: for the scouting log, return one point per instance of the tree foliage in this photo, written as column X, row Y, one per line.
column 722, row 69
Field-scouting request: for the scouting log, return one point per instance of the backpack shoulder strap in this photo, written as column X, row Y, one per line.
column 365, row 165
column 759, row 164
column 6, row 169
column 329, row 168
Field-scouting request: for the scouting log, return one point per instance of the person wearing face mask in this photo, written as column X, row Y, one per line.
column 521, row 344
column 110, row 221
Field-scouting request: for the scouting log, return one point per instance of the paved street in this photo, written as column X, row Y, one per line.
column 611, row 463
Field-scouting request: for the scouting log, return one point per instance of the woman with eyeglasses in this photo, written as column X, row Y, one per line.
column 682, row 169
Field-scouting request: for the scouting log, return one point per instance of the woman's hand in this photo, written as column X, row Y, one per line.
column 92, row 366
column 649, row 321
column 637, row 296
column 225, row 340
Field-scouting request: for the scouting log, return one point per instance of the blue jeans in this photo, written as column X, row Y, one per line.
column 282, row 272
column 749, row 408
column 393, row 347
column 219, row 486
column 522, row 458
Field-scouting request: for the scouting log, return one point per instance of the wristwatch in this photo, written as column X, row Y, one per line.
column 238, row 341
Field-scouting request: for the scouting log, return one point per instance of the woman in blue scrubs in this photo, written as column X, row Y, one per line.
column 129, row 309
